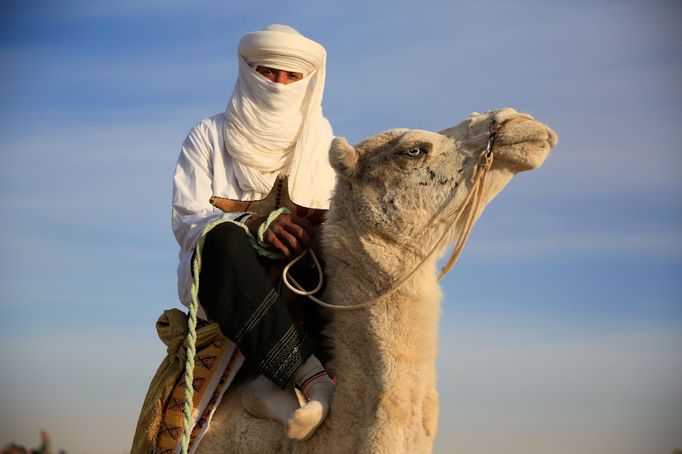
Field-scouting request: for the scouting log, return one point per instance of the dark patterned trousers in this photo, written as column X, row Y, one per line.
column 237, row 292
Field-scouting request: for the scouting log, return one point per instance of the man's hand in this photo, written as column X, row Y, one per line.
column 288, row 233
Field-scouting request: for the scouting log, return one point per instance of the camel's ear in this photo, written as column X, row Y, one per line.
column 343, row 157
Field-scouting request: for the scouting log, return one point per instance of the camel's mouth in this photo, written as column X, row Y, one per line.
column 523, row 143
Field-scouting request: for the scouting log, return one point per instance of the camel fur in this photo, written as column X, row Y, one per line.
column 380, row 225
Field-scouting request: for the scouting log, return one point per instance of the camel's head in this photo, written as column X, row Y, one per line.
column 395, row 183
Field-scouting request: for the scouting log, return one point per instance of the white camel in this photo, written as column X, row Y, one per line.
column 394, row 198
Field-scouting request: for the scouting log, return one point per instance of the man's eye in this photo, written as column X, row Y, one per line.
column 293, row 76
column 414, row 152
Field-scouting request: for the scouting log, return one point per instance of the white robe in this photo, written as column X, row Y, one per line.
column 204, row 169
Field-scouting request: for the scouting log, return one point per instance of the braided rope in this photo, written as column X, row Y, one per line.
column 191, row 339
column 472, row 202
column 471, row 206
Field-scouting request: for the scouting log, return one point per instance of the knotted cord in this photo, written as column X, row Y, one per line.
column 191, row 341
column 471, row 206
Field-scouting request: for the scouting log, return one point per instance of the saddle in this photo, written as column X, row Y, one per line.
column 277, row 198
column 216, row 363
column 217, row 359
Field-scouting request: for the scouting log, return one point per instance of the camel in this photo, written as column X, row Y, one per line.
column 383, row 222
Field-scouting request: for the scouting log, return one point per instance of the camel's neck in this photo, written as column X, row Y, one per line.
column 398, row 329
column 384, row 355
column 363, row 267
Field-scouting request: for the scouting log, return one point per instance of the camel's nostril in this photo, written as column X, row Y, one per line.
column 553, row 138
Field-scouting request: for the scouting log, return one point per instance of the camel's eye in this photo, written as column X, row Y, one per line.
column 414, row 152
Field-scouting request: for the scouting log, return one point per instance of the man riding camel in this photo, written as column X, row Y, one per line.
column 273, row 125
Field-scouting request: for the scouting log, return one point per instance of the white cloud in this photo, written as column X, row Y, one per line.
column 549, row 246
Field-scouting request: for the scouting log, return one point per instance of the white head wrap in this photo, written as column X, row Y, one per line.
column 275, row 128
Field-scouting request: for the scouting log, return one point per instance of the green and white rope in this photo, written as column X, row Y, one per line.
column 191, row 350
column 191, row 338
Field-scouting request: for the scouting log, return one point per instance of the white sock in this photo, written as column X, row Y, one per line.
column 263, row 399
column 318, row 388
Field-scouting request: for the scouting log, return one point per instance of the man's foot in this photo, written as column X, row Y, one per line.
column 263, row 399
column 318, row 388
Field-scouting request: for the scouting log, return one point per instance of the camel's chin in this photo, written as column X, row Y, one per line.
column 523, row 156
column 524, row 144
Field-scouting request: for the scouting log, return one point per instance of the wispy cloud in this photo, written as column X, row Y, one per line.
column 498, row 248
column 96, row 98
column 535, row 385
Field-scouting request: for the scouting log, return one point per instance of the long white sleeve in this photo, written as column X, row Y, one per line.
column 192, row 189
column 201, row 172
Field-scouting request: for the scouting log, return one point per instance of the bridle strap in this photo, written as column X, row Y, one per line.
column 470, row 206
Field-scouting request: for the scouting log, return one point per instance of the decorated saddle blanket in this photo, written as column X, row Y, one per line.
column 216, row 363
column 217, row 360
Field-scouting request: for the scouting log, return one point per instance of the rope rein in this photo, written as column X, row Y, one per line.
column 191, row 341
column 471, row 206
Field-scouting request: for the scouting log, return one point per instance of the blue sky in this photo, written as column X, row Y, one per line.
column 561, row 326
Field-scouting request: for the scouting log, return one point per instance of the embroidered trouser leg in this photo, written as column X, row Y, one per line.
column 236, row 291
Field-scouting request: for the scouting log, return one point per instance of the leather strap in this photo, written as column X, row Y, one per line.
column 277, row 198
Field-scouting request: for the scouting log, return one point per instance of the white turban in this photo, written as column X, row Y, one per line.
column 275, row 128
